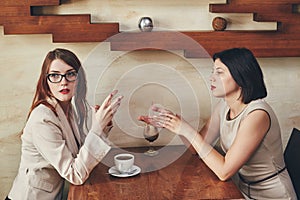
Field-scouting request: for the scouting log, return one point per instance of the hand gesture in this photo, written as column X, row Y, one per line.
column 102, row 116
column 173, row 122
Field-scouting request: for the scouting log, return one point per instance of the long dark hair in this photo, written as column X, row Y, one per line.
column 246, row 72
column 43, row 92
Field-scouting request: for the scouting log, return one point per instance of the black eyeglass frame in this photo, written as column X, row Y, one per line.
column 62, row 76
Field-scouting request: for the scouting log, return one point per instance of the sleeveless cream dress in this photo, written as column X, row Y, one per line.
column 266, row 160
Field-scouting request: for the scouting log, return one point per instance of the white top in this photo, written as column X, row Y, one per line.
column 266, row 160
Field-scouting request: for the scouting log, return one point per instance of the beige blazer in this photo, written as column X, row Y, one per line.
column 50, row 155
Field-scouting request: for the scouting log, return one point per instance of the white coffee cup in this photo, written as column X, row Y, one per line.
column 124, row 162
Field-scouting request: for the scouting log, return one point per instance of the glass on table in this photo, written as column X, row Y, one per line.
column 151, row 133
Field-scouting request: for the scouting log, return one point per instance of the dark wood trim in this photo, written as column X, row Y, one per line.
column 17, row 18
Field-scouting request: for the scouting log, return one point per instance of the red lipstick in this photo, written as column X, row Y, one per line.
column 64, row 91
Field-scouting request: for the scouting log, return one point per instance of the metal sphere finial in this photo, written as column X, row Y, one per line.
column 146, row 24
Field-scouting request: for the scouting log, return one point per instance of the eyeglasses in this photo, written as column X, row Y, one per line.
column 56, row 78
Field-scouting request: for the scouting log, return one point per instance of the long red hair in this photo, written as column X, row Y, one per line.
column 43, row 92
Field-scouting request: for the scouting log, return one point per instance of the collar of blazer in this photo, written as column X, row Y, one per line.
column 69, row 128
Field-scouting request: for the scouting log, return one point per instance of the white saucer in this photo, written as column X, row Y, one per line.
column 114, row 172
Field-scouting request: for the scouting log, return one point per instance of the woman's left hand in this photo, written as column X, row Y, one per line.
column 169, row 120
column 102, row 117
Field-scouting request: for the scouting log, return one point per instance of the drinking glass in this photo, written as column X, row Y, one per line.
column 151, row 134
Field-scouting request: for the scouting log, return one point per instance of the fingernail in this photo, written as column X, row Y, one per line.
column 114, row 92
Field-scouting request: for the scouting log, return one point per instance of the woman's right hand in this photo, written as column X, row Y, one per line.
column 173, row 122
column 103, row 114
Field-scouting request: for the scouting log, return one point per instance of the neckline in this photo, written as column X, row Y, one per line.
column 228, row 114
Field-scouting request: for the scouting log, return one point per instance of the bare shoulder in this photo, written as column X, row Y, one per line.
column 259, row 116
column 257, row 121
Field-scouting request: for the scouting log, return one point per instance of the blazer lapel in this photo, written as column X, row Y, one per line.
column 75, row 128
column 67, row 131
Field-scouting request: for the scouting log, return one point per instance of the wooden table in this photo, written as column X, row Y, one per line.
column 162, row 177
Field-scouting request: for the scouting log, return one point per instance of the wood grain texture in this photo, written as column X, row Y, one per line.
column 17, row 18
column 186, row 178
column 285, row 41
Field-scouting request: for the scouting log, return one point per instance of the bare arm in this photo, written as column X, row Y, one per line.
column 209, row 132
column 250, row 134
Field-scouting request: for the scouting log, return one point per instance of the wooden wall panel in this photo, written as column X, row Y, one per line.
column 16, row 17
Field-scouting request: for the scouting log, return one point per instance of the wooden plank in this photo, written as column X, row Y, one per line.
column 268, row 2
column 8, row 11
column 67, row 28
column 44, row 2
column 262, row 53
column 46, row 20
column 65, row 19
column 68, row 32
column 251, row 8
column 29, row 3
column 169, row 36
column 265, row 42
column 88, row 33
column 290, row 18
column 89, row 36
column 171, row 41
column 267, row 45
column 13, row 3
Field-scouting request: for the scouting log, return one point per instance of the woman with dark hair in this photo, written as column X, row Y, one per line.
column 246, row 126
column 57, row 142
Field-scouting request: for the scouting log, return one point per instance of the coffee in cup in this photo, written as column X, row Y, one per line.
column 124, row 162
